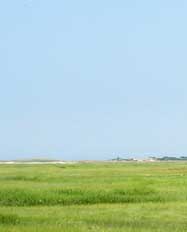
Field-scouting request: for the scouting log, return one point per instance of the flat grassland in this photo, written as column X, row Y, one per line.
column 130, row 197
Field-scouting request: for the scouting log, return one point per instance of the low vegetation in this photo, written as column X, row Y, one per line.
column 128, row 197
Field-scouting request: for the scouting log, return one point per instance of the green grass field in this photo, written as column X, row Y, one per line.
column 130, row 197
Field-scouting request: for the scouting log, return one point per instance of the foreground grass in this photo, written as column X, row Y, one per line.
column 88, row 197
column 107, row 217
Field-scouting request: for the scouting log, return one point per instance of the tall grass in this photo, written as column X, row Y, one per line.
column 9, row 219
column 89, row 197
column 95, row 183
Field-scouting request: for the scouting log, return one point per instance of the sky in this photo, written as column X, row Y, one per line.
column 93, row 79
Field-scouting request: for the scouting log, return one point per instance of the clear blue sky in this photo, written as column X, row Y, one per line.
column 93, row 79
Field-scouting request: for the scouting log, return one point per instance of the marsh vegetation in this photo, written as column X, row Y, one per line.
column 97, row 196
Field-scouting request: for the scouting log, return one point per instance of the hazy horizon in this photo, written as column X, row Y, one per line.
column 92, row 79
column 121, row 156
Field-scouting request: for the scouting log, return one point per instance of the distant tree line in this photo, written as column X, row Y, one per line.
column 168, row 158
